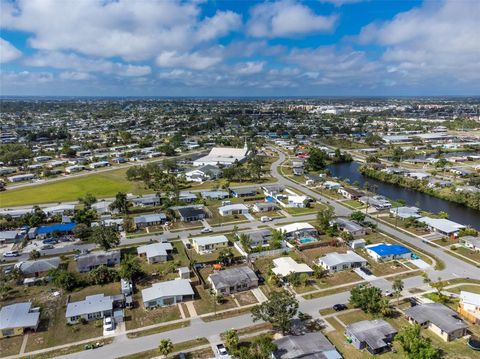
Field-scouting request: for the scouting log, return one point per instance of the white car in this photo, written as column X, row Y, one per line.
column 265, row 219
column 12, row 254
column 206, row 230
column 222, row 351
column 107, row 324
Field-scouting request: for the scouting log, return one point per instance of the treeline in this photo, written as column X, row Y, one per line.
column 468, row 199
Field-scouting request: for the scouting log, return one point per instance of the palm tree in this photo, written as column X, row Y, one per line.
column 397, row 288
column 165, row 347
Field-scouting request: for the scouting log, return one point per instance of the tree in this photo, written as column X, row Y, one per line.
column 231, row 339
column 102, row 275
column 397, row 288
column 87, row 200
column 278, row 310
column 165, row 347
column 357, row 216
column 34, row 254
column 63, row 279
column 120, row 203
column 82, row 231
column 415, row 345
column 130, row 268
column 367, row 298
column 260, row 347
column 255, row 167
column 324, row 217
column 225, row 256
column 277, row 238
column 442, row 214
column 317, row 159
column 105, row 237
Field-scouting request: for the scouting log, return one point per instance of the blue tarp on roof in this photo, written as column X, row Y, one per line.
column 60, row 227
column 387, row 250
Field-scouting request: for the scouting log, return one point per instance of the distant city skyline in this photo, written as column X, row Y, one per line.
column 285, row 48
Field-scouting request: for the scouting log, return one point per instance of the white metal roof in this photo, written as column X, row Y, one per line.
column 167, row 289
column 201, row 241
column 293, row 227
column 286, row 265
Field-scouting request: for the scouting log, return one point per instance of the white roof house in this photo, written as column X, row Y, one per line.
column 206, row 240
column 335, row 262
column 223, row 156
column 18, row 315
column 156, row 251
column 236, row 208
column 98, row 303
column 295, row 227
column 166, row 293
column 470, row 303
column 286, row 265
column 442, row 225
column 406, row 212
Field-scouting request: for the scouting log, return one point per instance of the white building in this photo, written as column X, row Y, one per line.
column 225, row 156
column 284, row 266
column 442, row 226
column 232, row 209
column 336, row 262
column 167, row 293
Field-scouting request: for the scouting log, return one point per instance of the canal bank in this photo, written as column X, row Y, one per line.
column 457, row 212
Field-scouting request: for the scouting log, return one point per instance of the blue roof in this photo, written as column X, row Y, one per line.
column 392, row 249
column 60, row 227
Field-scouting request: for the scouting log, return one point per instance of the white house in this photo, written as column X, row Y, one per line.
column 19, row 178
column 209, row 244
column 336, row 262
column 94, row 307
column 156, row 252
column 470, row 242
column 442, row 226
column 297, row 201
column 284, row 266
column 225, row 156
column 232, row 209
column 298, row 230
column 331, row 185
column 167, row 293
column 382, row 252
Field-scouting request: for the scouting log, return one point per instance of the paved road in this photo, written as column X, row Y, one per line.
column 454, row 268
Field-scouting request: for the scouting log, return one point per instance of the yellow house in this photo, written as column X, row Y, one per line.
column 17, row 318
column 209, row 244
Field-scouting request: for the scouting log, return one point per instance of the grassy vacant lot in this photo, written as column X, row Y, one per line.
column 101, row 185
column 10, row 346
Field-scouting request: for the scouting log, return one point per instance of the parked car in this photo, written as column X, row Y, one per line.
column 221, row 350
column 206, row 230
column 339, row 307
column 7, row 269
column 387, row 293
column 50, row 241
column 107, row 323
column 11, row 254
column 47, row 246
column 265, row 219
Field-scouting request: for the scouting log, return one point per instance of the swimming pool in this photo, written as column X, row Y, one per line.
column 307, row 240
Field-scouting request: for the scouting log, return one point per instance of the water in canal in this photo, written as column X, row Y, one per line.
column 457, row 212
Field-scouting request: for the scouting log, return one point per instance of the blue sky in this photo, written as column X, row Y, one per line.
column 240, row 48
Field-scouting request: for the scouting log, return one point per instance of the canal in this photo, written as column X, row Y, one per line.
column 457, row 212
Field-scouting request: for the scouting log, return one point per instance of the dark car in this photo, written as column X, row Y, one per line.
column 339, row 307
column 50, row 241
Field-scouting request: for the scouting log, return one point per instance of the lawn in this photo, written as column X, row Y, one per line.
column 246, row 298
column 206, row 304
column 354, row 204
column 163, row 328
column 141, row 317
column 472, row 255
column 10, row 346
column 466, row 287
column 101, row 185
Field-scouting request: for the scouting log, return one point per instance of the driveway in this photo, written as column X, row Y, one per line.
column 364, row 275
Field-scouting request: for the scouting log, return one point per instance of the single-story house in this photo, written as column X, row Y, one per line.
column 264, row 207
column 357, row 243
column 297, row 201
column 155, row 252
column 190, row 214
column 59, row 209
column 232, row 209
column 102, row 207
column 167, row 293
column 94, row 307
column 350, row 227
column 215, row 194
column 243, row 192
column 378, row 202
column 439, row 318
column 203, row 173
column 146, row 201
column 374, row 335
column 258, row 237
column 273, row 190
column 38, row 268
column 209, row 244
column 60, row 228
column 442, row 226
column 147, row 220
column 387, row 252
column 350, row 193
column 284, row 266
column 405, row 212
column 298, row 230
column 331, row 185
column 87, row 262
column 469, row 306
column 336, row 262
column 19, row 178
column 187, row 197
column 233, row 280
column 11, row 236
column 470, row 242
column 17, row 318
column 309, row 345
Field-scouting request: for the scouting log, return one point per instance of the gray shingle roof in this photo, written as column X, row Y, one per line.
column 438, row 314
column 41, row 265
column 91, row 304
column 233, row 276
column 310, row 345
column 372, row 332
column 18, row 315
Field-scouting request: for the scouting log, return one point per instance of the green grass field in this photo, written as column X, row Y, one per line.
column 101, row 185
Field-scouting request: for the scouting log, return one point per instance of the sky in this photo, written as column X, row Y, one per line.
column 239, row 48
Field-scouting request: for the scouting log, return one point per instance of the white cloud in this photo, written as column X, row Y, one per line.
column 249, row 68
column 133, row 30
column 25, row 78
column 286, row 18
column 437, row 39
column 8, row 52
column 342, row 2
column 75, row 76
column 194, row 61
column 72, row 61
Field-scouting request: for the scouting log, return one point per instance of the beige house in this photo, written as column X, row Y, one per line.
column 209, row 244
